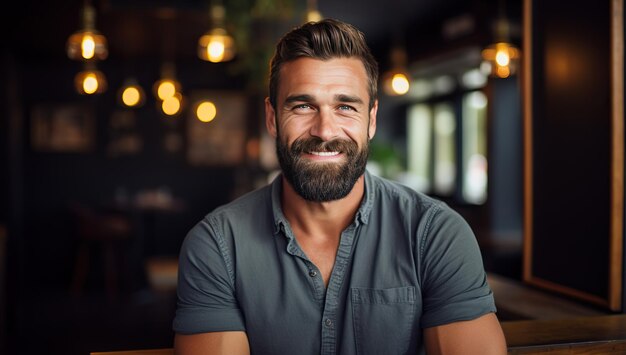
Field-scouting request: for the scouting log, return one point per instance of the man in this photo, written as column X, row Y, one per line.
column 329, row 259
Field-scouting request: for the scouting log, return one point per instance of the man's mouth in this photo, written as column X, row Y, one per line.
column 324, row 154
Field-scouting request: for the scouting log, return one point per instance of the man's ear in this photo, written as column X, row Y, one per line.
column 372, row 124
column 270, row 118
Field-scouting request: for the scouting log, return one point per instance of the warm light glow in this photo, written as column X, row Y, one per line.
column 90, row 83
column 206, row 111
column 171, row 105
column 88, row 47
column 396, row 83
column 502, row 58
column 400, row 84
column 503, row 72
column 313, row 16
column 215, row 49
column 87, row 43
column 166, row 89
column 131, row 96
column 216, row 46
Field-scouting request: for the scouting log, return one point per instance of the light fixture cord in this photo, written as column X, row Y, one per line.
column 89, row 16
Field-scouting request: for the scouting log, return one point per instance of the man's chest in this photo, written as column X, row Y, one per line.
column 368, row 300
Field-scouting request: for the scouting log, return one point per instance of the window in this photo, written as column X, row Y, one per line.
column 447, row 140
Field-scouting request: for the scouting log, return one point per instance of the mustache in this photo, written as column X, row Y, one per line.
column 315, row 144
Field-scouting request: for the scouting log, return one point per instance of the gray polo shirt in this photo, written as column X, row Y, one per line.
column 405, row 263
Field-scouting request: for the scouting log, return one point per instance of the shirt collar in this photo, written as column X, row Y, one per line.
column 362, row 214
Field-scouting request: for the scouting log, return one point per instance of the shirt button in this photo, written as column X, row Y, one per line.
column 312, row 273
column 328, row 322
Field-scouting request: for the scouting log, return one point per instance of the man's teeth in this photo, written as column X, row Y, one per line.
column 325, row 154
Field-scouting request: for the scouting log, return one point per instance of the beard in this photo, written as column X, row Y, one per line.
column 322, row 181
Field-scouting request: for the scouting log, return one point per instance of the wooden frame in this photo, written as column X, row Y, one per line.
column 616, row 242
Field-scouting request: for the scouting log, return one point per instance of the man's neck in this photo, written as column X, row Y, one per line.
column 321, row 218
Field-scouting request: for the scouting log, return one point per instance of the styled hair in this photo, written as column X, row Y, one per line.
column 324, row 40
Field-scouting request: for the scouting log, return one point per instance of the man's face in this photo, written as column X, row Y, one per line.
column 322, row 125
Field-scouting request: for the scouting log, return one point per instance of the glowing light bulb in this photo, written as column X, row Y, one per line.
column 166, row 89
column 171, row 105
column 215, row 50
column 90, row 83
column 502, row 57
column 131, row 96
column 216, row 46
column 206, row 111
column 88, row 46
column 400, row 84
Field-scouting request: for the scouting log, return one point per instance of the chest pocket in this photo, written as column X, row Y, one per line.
column 383, row 319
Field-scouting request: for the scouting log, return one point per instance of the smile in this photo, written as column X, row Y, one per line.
column 324, row 154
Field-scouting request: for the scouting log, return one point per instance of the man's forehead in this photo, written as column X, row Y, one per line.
column 348, row 71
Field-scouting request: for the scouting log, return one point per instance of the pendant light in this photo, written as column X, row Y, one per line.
column 131, row 94
column 217, row 45
column 396, row 81
column 87, row 43
column 90, row 81
column 167, row 90
column 501, row 58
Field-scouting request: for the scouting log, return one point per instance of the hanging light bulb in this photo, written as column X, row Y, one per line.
column 167, row 86
column 87, row 43
column 206, row 111
column 90, row 81
column 217, row 45
column 397, row 80
column 131, row 94
column 501, row 59
column 312, row 14
column 172, row 105
column 168, row 91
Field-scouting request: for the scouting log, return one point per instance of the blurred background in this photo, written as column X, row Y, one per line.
column 123, row 123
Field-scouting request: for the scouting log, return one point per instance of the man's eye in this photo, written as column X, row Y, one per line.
column 302, row 107
column 346, row 108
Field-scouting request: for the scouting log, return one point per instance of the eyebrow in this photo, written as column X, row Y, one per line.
column 310, row 98
column 299, row 98
column 348, row 98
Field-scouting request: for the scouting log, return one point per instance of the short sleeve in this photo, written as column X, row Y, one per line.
column 206, row 299
column 454, row 282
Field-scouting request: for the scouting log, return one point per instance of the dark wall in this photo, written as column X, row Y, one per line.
column 45, row 233
column 572, row 145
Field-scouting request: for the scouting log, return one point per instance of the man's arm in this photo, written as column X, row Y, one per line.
column 482, row 335
column 216, row 343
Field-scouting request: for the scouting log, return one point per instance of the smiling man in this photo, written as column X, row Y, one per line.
column 329, row 259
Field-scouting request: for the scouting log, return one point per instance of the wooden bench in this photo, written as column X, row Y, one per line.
column 517, row 301
column 585, row 335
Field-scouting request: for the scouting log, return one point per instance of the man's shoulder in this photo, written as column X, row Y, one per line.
column 392, row 190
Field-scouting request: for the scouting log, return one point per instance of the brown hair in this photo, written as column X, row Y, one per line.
column 323, row 40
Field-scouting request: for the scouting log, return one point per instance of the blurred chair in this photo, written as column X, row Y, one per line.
column 100, row 232
column 137, row 352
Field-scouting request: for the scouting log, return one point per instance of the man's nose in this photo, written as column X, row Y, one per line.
column 324, row 126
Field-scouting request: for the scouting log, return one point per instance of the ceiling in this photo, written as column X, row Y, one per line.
column 144, row 28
